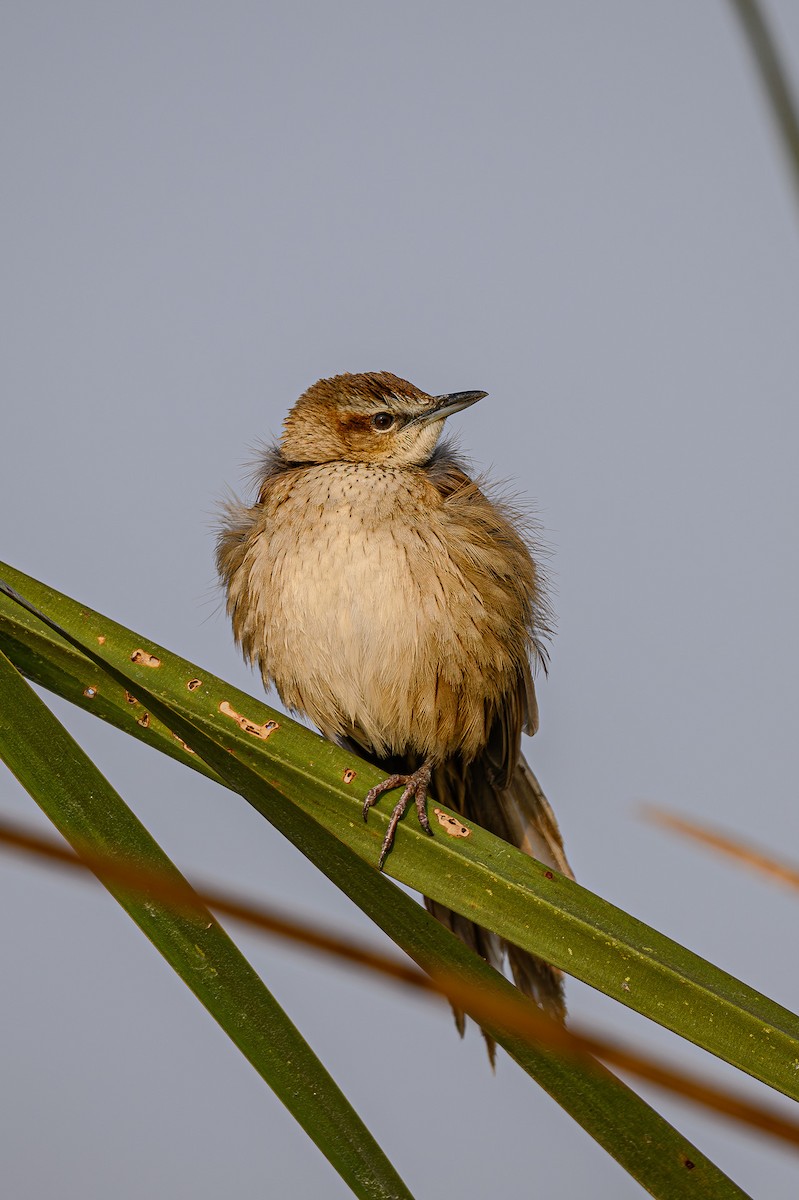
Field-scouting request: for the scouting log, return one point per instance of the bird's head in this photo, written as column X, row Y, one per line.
column 374, row 417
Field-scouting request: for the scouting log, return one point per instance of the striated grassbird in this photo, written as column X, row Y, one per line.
column 395, row 605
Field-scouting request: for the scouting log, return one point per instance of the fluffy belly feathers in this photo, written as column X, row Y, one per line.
column 373, row 627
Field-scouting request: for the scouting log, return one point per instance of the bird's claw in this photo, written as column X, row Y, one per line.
column 414, row 785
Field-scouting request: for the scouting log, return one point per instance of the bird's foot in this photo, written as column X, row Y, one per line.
column 415, row 786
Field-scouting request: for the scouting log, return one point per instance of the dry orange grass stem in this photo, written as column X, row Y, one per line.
column 519, row 1017
column 737, row 848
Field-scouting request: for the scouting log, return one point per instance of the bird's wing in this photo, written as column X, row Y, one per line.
column 518, row 714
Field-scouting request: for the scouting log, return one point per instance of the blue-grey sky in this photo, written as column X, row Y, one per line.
column 580, row 208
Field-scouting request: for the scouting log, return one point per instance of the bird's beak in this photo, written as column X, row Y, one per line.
column 445, row 406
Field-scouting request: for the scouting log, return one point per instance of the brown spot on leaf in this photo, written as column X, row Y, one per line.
column 130, row 699
column 180, row 741
column 451, row 825
column 259, row 731
column 101, row 640
column 144, row 721
column 348, row 775
column 143, row 659
column 90, row 692
column 193, row 684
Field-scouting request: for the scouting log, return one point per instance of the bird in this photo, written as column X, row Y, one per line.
column 395, row 602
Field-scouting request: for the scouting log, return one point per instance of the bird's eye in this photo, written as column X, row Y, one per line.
column 382, row 421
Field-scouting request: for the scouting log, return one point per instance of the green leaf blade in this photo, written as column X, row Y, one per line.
column 482, row 877
column 92, row 816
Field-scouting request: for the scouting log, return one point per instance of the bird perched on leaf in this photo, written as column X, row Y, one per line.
column 394, row 604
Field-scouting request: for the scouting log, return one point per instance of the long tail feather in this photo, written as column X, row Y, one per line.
column 521, row 814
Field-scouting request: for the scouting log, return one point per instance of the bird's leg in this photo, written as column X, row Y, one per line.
column 415, row 785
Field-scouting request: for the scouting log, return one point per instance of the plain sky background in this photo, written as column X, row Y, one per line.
column 579, row 207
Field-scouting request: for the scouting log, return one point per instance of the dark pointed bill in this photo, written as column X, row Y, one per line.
column 445, row 406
